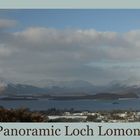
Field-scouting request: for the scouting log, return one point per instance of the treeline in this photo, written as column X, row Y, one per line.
column 58, row 112
column 21, row 115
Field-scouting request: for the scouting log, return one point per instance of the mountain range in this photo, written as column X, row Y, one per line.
column 67, row 88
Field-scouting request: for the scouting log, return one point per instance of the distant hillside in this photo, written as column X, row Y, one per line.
column 99, row 96
column 69, row 88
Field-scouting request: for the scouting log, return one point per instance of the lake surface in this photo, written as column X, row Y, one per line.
column 91, row 105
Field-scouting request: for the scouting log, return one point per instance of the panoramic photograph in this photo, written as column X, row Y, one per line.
column 69, row 65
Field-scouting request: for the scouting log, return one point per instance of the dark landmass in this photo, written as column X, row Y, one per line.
column 99, row 96
column 18, row 98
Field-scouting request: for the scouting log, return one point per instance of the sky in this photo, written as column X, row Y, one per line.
column 99, row 46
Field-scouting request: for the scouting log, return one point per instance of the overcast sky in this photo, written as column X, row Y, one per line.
column 99, row 46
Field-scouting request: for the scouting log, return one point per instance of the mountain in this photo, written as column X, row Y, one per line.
column 47, row 87
column 122, row 87
column 23, row 89
column 65, row 88
column 9, row 88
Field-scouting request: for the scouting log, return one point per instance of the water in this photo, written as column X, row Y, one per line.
column 91, row 105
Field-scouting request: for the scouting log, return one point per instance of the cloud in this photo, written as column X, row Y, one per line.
column 84, row 44
column 7, row 23
column 41, row 52
column 4, row 51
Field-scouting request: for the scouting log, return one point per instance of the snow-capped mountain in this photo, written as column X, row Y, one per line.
column 76, row 87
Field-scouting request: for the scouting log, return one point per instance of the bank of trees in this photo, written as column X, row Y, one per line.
column 21, row 115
